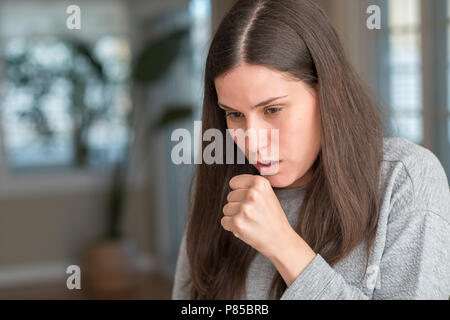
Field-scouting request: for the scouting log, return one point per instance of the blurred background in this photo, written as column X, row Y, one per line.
column 86, row 117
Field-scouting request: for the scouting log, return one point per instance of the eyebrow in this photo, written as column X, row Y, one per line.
column 261, row 104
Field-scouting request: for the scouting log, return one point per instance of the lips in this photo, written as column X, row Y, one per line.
column 268, row 169
column 267, row 162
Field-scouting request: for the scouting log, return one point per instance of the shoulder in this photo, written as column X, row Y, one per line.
column 412, row 155
column 414, row 178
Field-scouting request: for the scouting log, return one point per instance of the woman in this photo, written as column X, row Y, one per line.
column 346, row 214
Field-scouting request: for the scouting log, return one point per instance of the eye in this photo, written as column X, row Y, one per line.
column 233, row 115
column 272, row 110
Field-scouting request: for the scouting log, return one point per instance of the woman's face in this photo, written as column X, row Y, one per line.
column 295, row 115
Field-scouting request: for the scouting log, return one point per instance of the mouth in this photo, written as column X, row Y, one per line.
column 268, row 167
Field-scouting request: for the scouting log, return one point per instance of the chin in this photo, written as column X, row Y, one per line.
column 277, row 181
column 280, row 181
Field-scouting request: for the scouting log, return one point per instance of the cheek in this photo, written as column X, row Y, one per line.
column 300, row 134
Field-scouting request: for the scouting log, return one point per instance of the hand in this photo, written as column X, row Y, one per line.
column 255, row 216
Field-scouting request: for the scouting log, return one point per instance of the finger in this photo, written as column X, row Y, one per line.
column 231, row 208
column 226, row 223
column 243, row 181
column 238, row 195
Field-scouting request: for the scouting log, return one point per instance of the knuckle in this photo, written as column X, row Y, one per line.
column 245, row 209
column 237, row 225
column 260, row 183
column 252, row 194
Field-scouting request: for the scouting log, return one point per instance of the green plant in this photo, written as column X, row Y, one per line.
column 151, row 65
column 81, row 70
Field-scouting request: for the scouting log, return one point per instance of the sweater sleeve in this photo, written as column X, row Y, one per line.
column 414, row 265
column 319, row 281
column 415, row 259
column 181, row 288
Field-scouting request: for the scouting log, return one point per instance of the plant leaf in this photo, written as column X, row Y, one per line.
column 158, row 56
column 172, row 114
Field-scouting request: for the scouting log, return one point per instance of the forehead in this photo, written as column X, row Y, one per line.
column 247, row 84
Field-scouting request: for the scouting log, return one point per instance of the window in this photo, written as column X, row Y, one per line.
column 447, row 22
column 63, row 97
column 64, row 93
column 436, row 72
column 413, row 78
column 442, row 136
column 405, row 81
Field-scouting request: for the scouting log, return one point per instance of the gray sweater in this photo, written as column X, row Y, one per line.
column 411, row 255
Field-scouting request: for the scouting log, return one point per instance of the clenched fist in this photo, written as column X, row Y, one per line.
column 254, row 214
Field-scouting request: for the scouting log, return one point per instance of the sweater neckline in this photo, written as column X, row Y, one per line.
column 289, row 192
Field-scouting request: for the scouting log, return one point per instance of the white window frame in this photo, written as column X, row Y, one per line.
column 434, row 76
column 434, row 56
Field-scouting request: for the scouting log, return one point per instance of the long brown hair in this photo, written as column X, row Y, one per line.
column 341, row 204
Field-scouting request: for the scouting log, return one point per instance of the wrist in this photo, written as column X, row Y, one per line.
column 292, row 257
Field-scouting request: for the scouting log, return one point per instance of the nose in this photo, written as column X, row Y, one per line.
column 257, row 140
